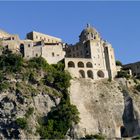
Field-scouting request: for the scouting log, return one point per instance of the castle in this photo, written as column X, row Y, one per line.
column 91, row 57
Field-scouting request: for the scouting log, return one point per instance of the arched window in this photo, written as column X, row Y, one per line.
column 100, row 74
column 82, row 74
column 89, row 65
column 80, row 64
column 90, row 74
column 71, row 64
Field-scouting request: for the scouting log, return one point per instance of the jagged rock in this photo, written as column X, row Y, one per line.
column 110, row 108
column 11, row 108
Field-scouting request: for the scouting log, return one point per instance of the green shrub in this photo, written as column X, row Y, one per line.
column 59, row 66
column 25, row 76
column 109, row 79
column 59, row 120
column 123, row 74
column 32, row 78
column 138, row 87
column 62, row 80
column 11, row 62
column 118, row 63
column 1, row 76
column 22, row 123
column 57, row 79
column 135, row 80
column 29, row 111
column 4, row 85
column 38, row 63
column 136, row 138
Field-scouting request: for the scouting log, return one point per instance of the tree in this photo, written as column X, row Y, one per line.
column 118, row 63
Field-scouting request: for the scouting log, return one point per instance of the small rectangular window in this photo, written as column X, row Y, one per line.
column 73, row 48
column 53, row 54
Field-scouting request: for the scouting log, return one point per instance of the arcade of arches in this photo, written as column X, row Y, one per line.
column 83, row 73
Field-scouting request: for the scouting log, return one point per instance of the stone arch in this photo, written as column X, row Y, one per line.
column 90, row 74
column 82, row 74
column 71, row 64
column 100, row 74
column 81, row 64
column 89, row 65
column 22, row 49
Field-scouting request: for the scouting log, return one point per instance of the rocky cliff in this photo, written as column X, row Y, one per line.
column 108, row 108
column 34, row 102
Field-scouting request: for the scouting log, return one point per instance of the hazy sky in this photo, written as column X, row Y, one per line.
column 117, row 22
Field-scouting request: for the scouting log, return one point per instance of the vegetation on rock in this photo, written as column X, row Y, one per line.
column 29, row 78
column 22, row 123
column 138, row 87
column 10, row 62
column 123, row 74
column 118, row 63
column 59, row 120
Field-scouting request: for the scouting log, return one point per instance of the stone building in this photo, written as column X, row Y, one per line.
column 9, row 41
column 35, row 45
column 134, row 67
column 92, row 57
column 48, row 47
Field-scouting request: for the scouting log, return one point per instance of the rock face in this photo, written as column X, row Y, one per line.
column 109, row 108
column 13, row 106
column 105, row 108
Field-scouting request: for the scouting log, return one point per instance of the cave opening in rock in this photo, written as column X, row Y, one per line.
column 123, row 131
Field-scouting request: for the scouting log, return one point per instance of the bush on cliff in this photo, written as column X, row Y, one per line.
column 118, row 63
column 122, row 74
column 59, row 120
column 61, row 117
column 11, row 62
column 38, row 63
column 138, row 87
column 4, row 86
column 57, row 79
column 22, row 123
